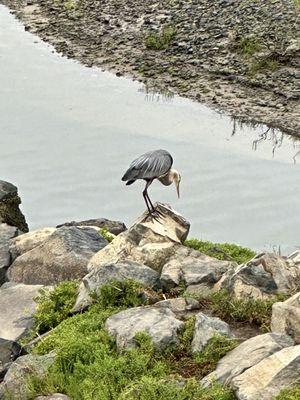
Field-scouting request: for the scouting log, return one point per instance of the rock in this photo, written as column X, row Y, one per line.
column 179, row 306
column 10, row 213
column 286, row 317
column 6, row 233
column 266, row 379
column 262, row 277
column 159, row 323
column 64, row 255
column 15, row 381
column 191, row 267
column 17, row 309
column 28, row 241
column 246, row 355
column 55, row 396
column 206, row 328
column 148, row 241
column 9, row 351
column 294, row 257
column 114, row 227
column 119, row 271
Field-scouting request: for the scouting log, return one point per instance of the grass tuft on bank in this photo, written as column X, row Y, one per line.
column 290, row 393
column 162, row 40
column 221, row 251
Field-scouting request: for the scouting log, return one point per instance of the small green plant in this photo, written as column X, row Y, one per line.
column 160, row 41
column 106, row 234
column 221, row 251
column 289, row 393
column 53, row 306
column 215, row 349
column 69, row 5
column 229, row 308
column 247, row 45
column 125, row 294
column 263, row 64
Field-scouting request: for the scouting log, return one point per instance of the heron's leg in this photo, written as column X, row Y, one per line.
column 146, row 197
column 154, row 210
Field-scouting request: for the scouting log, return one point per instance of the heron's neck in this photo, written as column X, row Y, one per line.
column 168, row 178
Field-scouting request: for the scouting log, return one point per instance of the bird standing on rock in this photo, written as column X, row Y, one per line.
column 149, row 166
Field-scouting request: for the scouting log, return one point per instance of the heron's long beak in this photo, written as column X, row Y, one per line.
column 177, row 188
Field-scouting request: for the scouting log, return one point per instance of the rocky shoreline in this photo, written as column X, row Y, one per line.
column 240, row 57
column 106, row 312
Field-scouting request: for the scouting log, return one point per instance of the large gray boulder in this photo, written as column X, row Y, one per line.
column 246, row 355
column 286, row 317
column 15, row 382
column 265, row 380
column 192, row 268
column 206, row 328
column 114, row 227
column 6, row 233
column 262, row 277
column 149, row 241
column 28, row 241
column 160, row 324
column 121, row 271
column 10, row 213
column 9, row 351
column 17, row 309
column 64, row 255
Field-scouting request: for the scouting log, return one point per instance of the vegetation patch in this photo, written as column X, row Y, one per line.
column 88, row 365
column 160, row 41
column 290, row 393
column 263, row 64
column 231, row 309
column 54, row 305
column 106, row 234
column 247, row 45
column 221, row 251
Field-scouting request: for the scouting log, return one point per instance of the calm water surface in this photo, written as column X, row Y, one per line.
column 67, row 134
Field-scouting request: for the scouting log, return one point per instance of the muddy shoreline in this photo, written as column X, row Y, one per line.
column 239, row 57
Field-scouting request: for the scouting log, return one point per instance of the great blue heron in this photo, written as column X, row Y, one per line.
column 149, row 166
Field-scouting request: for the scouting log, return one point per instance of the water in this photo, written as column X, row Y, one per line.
column 68, row 133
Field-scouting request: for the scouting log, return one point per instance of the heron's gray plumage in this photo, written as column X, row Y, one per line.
column 149, row 166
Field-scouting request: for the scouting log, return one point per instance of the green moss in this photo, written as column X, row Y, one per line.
column 160, row 41
column 221, row 251
column 247, row 45
column 54, row 305
column 231, row 309
column 263, row 64
column 215, row 349
column 289, row 394
column 106, row 234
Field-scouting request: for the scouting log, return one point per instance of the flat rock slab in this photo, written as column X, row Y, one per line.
column 63, row 255
column 246, row 355
column 286, row 317
column 160, row 324
column 149, row 241
column 191, row 267
column 9, row 207
column 6, row 234
column 114, row 227
column 180, row 306
column 54, row 396
column 28, row 241
column 17, row 309
column 15, row 380
column 265, row 380
column 262, row 277
column 206, row 328
column 108, row 272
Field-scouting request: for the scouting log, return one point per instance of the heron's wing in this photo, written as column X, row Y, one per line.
column 149, row 165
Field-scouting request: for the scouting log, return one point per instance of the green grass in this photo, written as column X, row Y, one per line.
column 289, row 393
column 88, row 365
column 221, row 251
column 247, row 45
column 230, row 309
column 106, row 234
column 263, row 64
column 160, row 41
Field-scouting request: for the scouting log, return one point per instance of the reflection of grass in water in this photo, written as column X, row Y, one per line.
column 274, row 136
column 156, row 93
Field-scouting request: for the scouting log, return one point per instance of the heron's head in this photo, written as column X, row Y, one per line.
column 176, row 180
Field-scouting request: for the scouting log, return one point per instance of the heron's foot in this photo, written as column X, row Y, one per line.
column 157, row 212
column 154, row 215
